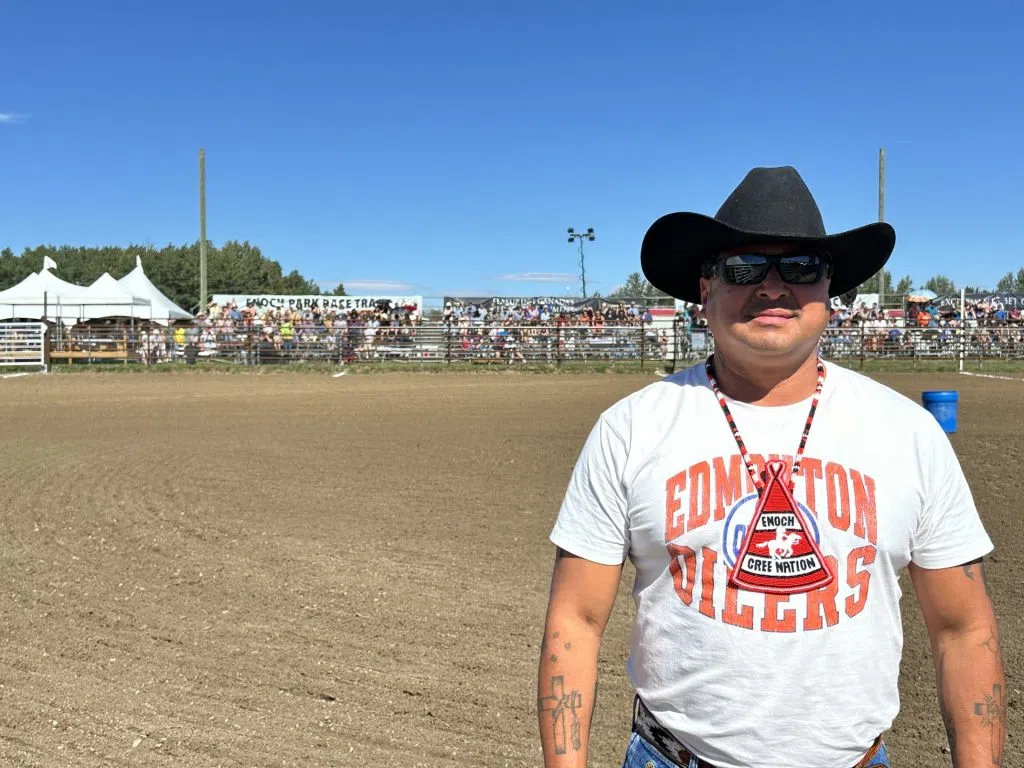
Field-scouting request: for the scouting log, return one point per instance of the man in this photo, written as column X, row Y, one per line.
column 767, row 523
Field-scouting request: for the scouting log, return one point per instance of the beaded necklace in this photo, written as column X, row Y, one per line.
column 744, row 454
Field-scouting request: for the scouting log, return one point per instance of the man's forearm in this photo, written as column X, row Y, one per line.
column 567, row 691
column 972, row 696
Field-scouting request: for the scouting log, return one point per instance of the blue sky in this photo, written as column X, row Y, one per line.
column 445, row 147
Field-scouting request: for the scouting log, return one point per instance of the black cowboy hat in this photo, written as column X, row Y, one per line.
column 771, row 205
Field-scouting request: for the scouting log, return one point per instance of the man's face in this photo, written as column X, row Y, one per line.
column 772, row 319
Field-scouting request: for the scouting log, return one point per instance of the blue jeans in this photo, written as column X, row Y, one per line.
column 641, row 754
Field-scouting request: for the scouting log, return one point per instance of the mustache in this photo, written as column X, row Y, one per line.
column 756, row 307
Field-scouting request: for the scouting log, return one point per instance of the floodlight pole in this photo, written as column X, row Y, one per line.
column 581, row 236
column 202, row 231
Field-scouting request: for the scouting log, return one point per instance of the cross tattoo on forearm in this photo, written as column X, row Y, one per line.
column 557, row 704
column 992, row 711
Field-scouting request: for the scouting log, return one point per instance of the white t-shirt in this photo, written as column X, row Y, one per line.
column 746, row 679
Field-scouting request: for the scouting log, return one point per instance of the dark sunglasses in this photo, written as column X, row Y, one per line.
column 752, row 268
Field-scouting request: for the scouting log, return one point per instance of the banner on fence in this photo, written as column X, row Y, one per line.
column 504, row 303
column 323, row 303
column 556, row 303
column 1002, row 299
column 862, row 300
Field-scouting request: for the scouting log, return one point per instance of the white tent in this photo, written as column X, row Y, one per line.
column 43, row 295
column 123, row 304
column 163, row 309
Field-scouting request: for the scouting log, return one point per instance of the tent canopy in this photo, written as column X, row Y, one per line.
column 105, row 287
column 163, row 309
column 43, row 295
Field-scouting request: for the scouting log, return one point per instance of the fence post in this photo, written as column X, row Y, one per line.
column 960, row 344
column 643, row 339
column 558, row 346
column 448, row 342
column 675, row 342
column 862, row 351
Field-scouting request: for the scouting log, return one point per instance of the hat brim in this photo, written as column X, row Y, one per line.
column 677, row 245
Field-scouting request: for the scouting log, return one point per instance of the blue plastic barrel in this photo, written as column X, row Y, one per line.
column 942, row 405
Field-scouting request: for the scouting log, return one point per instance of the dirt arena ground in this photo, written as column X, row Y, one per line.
column 298, row 570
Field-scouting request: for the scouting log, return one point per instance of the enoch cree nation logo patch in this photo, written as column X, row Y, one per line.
column 779, row 553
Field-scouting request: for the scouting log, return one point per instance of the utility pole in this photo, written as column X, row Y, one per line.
column 581, row 236
column 202, row 230
column 881, row 217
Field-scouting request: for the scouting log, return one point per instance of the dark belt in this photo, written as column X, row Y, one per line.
column 673, row 750
column 659, row 737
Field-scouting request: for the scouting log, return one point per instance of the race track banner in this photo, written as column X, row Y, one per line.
column 506, row 303
column 323, row 303
column 997, row 298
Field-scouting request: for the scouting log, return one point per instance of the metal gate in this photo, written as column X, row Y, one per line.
column 23, row 345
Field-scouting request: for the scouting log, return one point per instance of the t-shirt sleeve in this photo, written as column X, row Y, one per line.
column 593, row 521
column 950, row 531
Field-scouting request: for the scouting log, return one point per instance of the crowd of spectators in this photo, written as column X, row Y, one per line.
column 535, row 314
column 548, row 331
column 252, row 334
column 932, row 314
column 509, row 333
column 925, row 328
column 992, row 312
column 284, row 330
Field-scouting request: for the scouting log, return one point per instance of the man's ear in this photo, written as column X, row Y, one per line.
column 705, row 289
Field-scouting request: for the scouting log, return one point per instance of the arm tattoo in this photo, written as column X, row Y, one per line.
column 991, row 643
column 562, row 707
column 992, row 711
column 947, row 716
column 546, row 645
column 969, row 570
column 984, row 579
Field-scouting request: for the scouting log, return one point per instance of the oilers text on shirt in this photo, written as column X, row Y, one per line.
column 718, row 496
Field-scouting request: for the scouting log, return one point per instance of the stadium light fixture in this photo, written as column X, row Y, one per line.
column 581, row 236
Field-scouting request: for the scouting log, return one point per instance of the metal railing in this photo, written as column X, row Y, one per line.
column 443, row 344
column 949, row 343
column 23, row 345
column 436, row 343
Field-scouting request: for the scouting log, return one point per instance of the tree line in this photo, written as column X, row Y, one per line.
column 234, row 267
column 940, row 284
column 637, row 286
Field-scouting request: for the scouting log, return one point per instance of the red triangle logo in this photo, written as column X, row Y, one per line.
column 779, row 553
